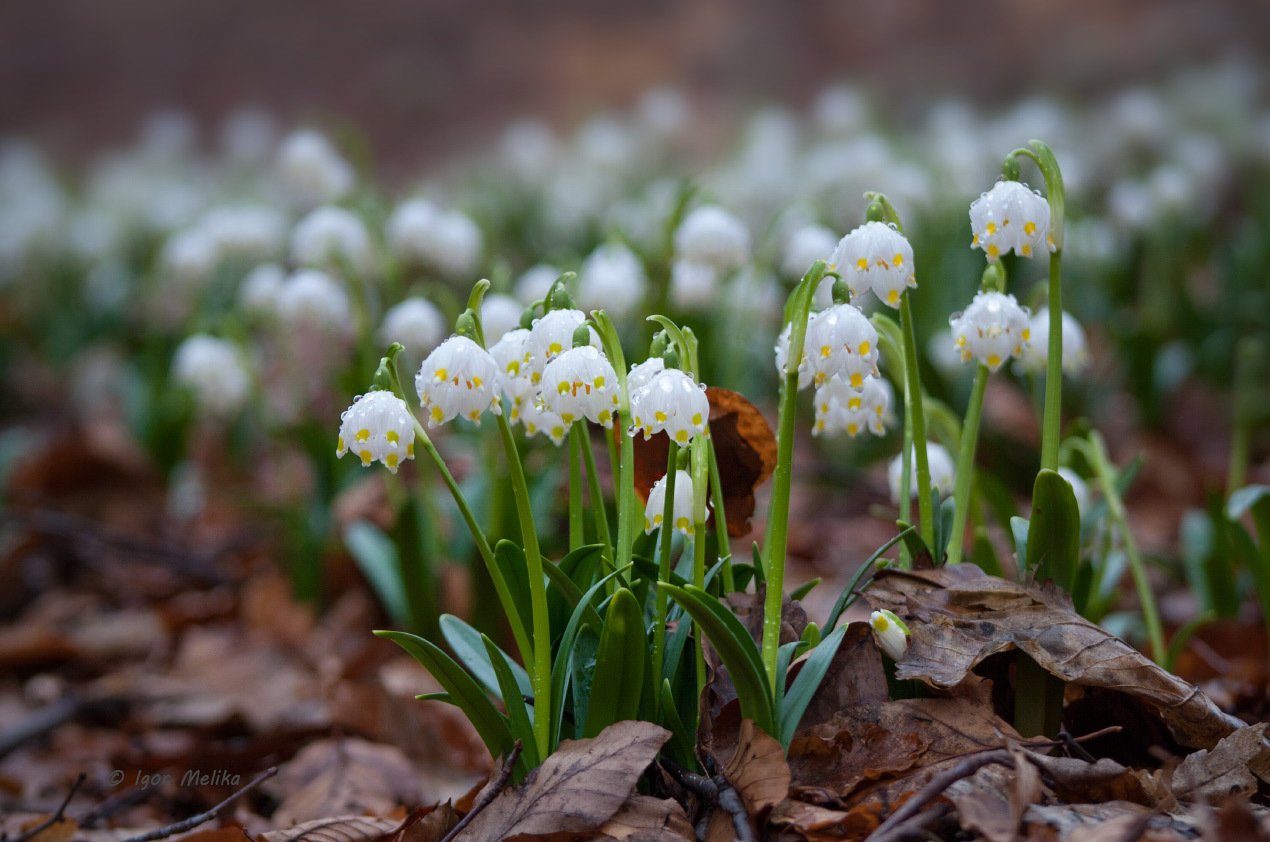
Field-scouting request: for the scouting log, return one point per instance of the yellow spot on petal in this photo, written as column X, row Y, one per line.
column 437, row 414
column 892, row 296
column 598, row 382
column 557, row 433
column 961, row 341
column 898, row 260
column 853, row 429
column 566, row 417
column 854, row 402
column 474, row 415
column 864, row 348
column 1027, row 334
column 476, row 381
column 857, row 380
column 366, row 456
column 1026, row 250
column 442, row 374
column 1029, row 228
column 536, row 378
column 994, row 250
column 605, row 416
column 656, row 520
column 554, row 348
column 993, row 361
column 974, row 241
column 660, row 416
column 391, row 460
column 682, row 524
column 991, row 228
column 392, row 436
column 562, row 388
column 682, row 436
column 880, row 623
column 410, row 450
column 826, row 350
column 696, row 419
column 862, row 264
column 362, row 435
column 340, row 447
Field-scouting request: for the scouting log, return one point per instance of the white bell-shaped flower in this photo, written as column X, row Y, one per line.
column 941, row 472
column 512, row 355
column 538, row 420
column 259, row 291
column 875, row 256
column 459, row 377
column 378, row 426
column 552, row 335
column 806, row 245
column 499, row 314
column 1075, row 345
column 1010, row 216
column 643, row 372
column 310, row 298
column 612, row 277
column 840, row 408
column 992, row 329
column 581, row 383
column 710, row 235
column 409, row 229
column 214, row 371
column 782, row 357
column 890, row 633
column 681, row 508
column 693, row 285
column 670, row 402
column 416, row 323
column 841, row 341
column 332, row 236
column 311, row 170
column 535, row 282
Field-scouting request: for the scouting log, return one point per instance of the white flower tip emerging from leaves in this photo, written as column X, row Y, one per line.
column 378, row 427
column 416, row 323
column 1010, row 216
column 941, row 472
column 1075, row 346
column 992, row 329
column 581, row 383
column 890, row 632
column 842, row 409
column 681, row 513
column 875, row 256
column 214, row 371
column 670, row 402
column 331, row 236
column 710, row 235
column 841, row 341
column 459, row 377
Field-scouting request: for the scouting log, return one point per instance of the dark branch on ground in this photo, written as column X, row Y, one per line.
column 53, row 819
column 194, row 821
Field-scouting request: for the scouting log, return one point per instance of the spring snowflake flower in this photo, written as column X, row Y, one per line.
column 681, row 511
column 711, row 236
column 259, row 291
column 805, row 246
column 890, row 633
column 643, row 372
column 538, row 420
column 312, row 298
column 459, row 377
column 332, row 236
column 612, row 277
column 1075, row 346
column 782, row 358
column 693, row 285
column 189, row 256
column 581, row 383
column 875, row 256
column 992, row 329
column 419, row 231
column 551, row 335
column 378, row 426
column 840, row 408
column 941, row 472
column 214, row 371
column 671, row 402
column 312, row 171
column 409, row 229
column 841, row 341
column 416, row 323
column 499, row 314
column 512, row 354
column 1010, row 216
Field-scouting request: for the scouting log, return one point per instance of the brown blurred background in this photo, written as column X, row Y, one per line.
column 421, row 77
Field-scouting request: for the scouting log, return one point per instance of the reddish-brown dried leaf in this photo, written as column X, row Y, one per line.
column 745, row 448
column 576, row 790
column 334, row 829
column 346, row 776
column 959, row 616
column 1231, row 768
column 643, row 818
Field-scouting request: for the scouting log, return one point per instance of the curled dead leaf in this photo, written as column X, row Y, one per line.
column 334, row 829
column 744, row 446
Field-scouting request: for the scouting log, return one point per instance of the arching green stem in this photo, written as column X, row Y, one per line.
column 665, row 537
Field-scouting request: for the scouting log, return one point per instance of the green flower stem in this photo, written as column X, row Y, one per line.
column 917, row 424
column 597, row 498
column 798, row 311
column 575, row 485
column 482, row 545
column 1052, row 426
column 700, row 466
column 720, row 519
column 541, row 673
column 665, row 536
column 1096, row 452
column 966, row 464
column 624, row 479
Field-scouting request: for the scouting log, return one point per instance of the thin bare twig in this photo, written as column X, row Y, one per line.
column 194, row 821
column 497, row 785
column 53, row 819
column 887, row 830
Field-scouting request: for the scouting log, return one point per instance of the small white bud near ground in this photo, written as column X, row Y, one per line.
column 890, row 633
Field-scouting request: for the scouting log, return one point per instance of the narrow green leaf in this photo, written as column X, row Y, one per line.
column 800, row 693
column 518, row 719
column 1019, row 529
column 1053, row 539
column 804, row 589
column 468, row 644
column 849, row 593
column 1244, row 499
column 619, row 665
column 377, row 558
column 736, row 648
column 464, row 692
column 511, row 561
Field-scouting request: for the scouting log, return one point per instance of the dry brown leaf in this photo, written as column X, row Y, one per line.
column 1231, row 768
column 643, row 818
column 1076, row 780
column 983, row 805
column 757, row 770
column 959, row 616
column 1110, row 821
column 743, row 443
column 334, row 829
column 216, row 834
column 343, row 777
column 1025, row 786
column 576, row 790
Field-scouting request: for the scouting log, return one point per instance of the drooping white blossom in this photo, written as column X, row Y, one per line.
column 643, row 372
column 1010, row 217
column 890, row 633
column 416, row 323
column 782, row 358
column 612, row 277
column 551, row 335
column 312, row 172
column 992, row 329
column 378, row 427
column 711, row 236
column 681, row 507
column 214, row 371
column 670, row 402
column 693, row 285
column 312, row 298
column 581, row 383
column 806, row 245
column 841, row 341
column 459, row 378
column 259, row 292
column 941, row 472
column 499, row 314
column 1075, row 345
column 875, row 256
column 333, row 237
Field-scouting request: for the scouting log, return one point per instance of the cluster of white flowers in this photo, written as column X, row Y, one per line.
column 839, row 408
column 378, row 426
column 1011, row 217
column 214, row 371
column 875, row 257
column 669, row 401
column 709, row 243
column 446, row 239
column 942, row 472
column 992, row 329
